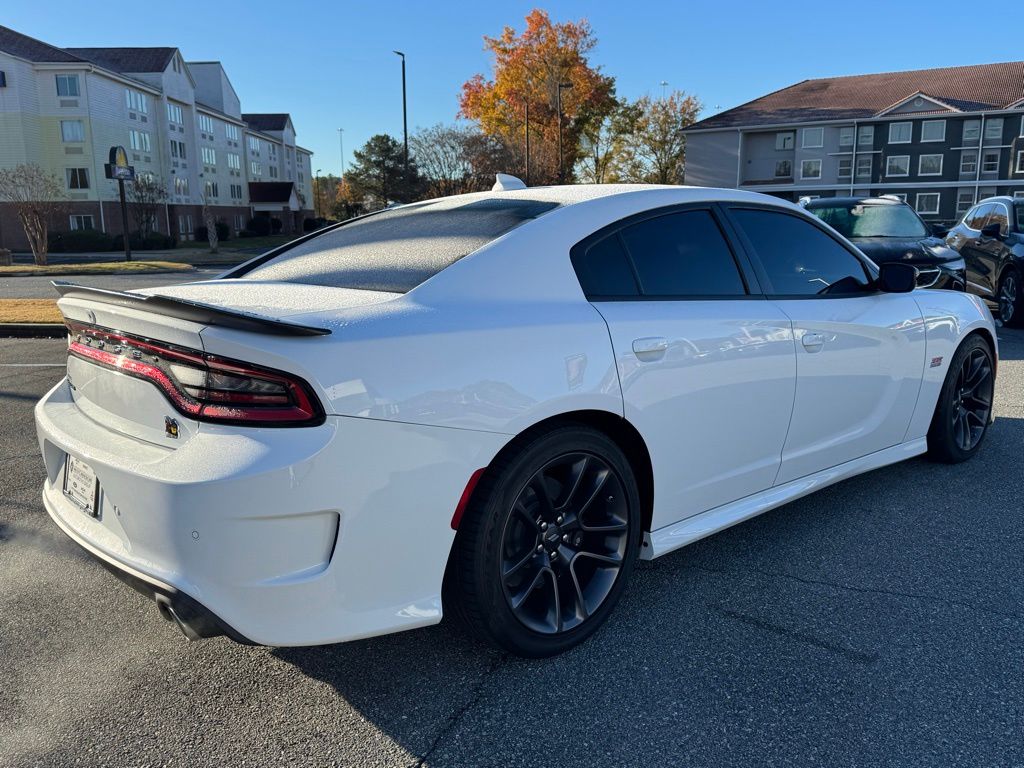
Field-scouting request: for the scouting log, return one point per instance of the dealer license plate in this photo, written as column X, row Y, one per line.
column 81, row 485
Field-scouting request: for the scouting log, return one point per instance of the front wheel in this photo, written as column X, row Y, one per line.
column 964, row 410
column 1011, row 299
column 552, row 535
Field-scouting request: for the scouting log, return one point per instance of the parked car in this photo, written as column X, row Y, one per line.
column 887, row 229
column 492, row 403
column 990, row 237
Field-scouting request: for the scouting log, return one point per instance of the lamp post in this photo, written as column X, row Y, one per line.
column 341, row 147
column 558, row 100
column 664, row 85
column 317, row 193
column 405, row 119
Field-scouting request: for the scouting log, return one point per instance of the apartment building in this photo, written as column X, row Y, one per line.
column 938, row 138
column 181, row 123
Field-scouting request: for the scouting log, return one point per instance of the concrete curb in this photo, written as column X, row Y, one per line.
column 32, row 330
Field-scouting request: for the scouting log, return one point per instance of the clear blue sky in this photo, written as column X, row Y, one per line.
column 330, row 63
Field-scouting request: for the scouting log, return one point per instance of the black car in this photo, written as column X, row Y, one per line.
column 887, row 229
column 991, row 239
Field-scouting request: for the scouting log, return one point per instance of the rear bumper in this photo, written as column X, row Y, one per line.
column 271, row 536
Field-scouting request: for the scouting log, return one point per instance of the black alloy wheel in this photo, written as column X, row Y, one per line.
column 564, row 542
column 964, row 410
column 1011, row 311
column 548, row 542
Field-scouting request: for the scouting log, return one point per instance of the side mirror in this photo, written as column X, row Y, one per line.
column 991, row 230
column 939, row 231
column 897, row 277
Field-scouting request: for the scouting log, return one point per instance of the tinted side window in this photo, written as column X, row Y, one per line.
column 998, row 216
column 683, row 254
column 976, row 218
column 800, row 259
column 604, row 270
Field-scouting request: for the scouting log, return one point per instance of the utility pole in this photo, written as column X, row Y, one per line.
column 527, row 141
column 558, row 100
column 405, row 118
column 317, row 193
column 664, row 85
column 341, row 145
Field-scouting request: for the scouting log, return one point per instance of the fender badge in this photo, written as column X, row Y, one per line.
column 936, row 362
column 170, row 426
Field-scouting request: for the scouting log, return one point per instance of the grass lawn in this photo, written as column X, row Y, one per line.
column 29, row 311
column 99, row 268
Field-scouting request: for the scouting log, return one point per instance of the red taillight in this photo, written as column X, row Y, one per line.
column 202, row 386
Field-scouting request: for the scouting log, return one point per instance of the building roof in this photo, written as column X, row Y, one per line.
column 266, row 121
column 270, row 191
column 125, row 60
column 969, row 88
column 30, row 49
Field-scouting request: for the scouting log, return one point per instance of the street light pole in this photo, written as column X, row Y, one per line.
column 318, row 193
column 341, row 146
column 664, row 85
column 558, row 100
column 405, row 119
column 527, row 141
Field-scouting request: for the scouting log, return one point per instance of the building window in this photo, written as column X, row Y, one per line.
column 994, row 129
column 929, row 165
column 990, row 162
column 927, row 202
column 178, row 149
column 783, row 169
column 256, row 168
column 181, row 186
column 273, row 171
column 67, row 85
column 234, row 161
column 82, row 221
column 136, row 102
column 174, row 114
column 231, row 131
column 846, row 136
column 810, row 169
column 866, row 136
column 969, row 162
column 784, row 140
column 972, row 131
column 209, row 155
column 1022, row 127
column 933, row 130
column 864, row 164
column 964, row 201
column 845, row 169
column 1020, row 161
column 72, row 130
column 78, row 178
column 273, row 151
column 813, row 137
column 211, row 188
column 139, row 140
column 900, row 133
column 254, row 145
column 205, row 123
column 185, row 224
column 897, row 165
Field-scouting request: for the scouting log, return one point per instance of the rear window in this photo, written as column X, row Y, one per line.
column 396, row 250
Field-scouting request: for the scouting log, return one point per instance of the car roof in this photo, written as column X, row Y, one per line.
column 829, row 202
column 1001, row 199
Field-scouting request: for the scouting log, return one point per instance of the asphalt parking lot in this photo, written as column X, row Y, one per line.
column 879, row 622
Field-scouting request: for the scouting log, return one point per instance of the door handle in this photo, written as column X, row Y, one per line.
column 650, row 348
column 813, row 342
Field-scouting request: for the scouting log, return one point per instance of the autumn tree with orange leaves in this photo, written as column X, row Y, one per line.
column 528, row 69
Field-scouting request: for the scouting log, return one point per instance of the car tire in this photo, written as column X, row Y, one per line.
column 964, row 411
column 1011, row 299
column 548, row 542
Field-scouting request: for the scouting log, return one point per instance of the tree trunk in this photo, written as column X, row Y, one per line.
column 35, row 228
column 211, row 229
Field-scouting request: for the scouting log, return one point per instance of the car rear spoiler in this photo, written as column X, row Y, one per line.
column 194, row 311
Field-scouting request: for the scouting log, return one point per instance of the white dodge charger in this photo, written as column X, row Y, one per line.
column 493, row 404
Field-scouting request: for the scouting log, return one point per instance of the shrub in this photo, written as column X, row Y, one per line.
column 80, row 241
column 275, row 225
column 202, row 234
column 155, row 242
column 260, row 225
column 247, row 233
